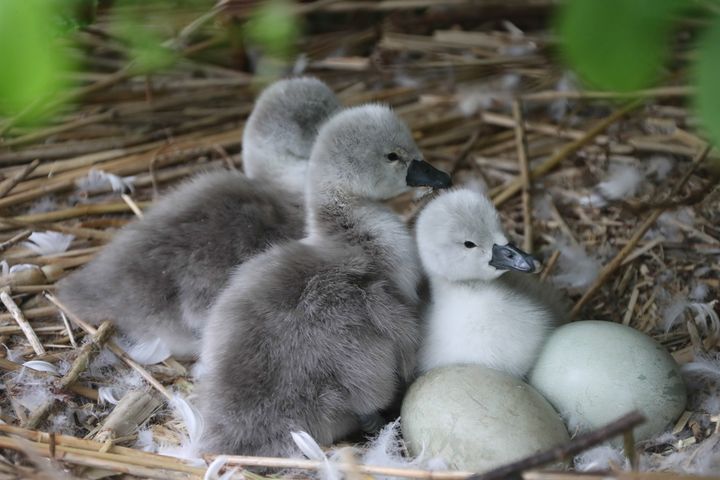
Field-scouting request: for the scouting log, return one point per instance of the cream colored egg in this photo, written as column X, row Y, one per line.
column 475, row 418
column 594, row 372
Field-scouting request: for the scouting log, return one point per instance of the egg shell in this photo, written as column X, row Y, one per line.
column 476, row 418
column 594, row 372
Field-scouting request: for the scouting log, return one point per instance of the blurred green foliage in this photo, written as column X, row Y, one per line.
column 623, row 45
column 617, row 44
column 32, row 58
column 274, row 26
column 707, row 79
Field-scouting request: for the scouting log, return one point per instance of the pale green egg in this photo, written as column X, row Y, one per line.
column 475, row 418
column 594, row 372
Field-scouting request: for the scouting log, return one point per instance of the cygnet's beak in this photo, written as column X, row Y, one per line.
column 510, row 257
column 422, row 174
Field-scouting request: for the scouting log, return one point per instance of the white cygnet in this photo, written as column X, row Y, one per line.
column 484, row 308
column 319, row 334
column 160, row 275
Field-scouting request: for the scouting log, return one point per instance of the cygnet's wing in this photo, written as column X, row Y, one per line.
column 160, row 274
column 304, row 338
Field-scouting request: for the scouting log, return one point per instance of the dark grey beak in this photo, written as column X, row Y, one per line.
column 422, row 174
column 510, row 257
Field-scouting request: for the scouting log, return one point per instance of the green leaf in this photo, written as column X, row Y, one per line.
column 31, row 59
column 146, row 47
column 274, row 27
column 707, row 79
column 616, row 44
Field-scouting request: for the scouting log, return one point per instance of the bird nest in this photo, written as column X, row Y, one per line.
column 617, row 196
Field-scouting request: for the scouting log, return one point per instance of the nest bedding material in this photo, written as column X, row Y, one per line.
column 601, row 170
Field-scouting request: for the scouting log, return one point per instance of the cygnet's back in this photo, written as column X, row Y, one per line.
column 485, row 308
column 318, row 334
column 160, row 275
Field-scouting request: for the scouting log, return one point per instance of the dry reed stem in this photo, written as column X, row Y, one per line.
column 522, row 153
column 613, row 475
column 75, row 212
column 68, row 330
column 78, row 232
column 283, row 463
column 515, row 185
column 133, row 409
column 551, row 95
column 22, row 322
column 7, row 185
column 133, row 206
column 125, row 162
column 31, row 313
column 81, row 390
column 649, row 221
column 79, row 365
column 84, row 444
column 105, row 461
column 15, row 240
column 113, row 347
column 549, row 265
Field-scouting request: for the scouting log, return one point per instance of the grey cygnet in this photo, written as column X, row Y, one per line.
column 314, row 334
column 160, row 275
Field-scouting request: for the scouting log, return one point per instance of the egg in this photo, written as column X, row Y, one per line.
column 594, row 372
column 476, row 418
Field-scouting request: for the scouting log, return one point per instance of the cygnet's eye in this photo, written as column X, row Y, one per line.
column 393, row 157
column 469, row 244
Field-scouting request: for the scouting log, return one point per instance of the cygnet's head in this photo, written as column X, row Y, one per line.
column 282, row 128
column 369, row 152
column 460, row 239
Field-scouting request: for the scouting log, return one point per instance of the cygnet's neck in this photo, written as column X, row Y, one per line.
column 440, row 282
column 336, row 215
column 286, row 173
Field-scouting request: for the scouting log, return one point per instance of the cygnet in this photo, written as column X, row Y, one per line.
column 485, row 308
column 318, row 334
column 159, row 276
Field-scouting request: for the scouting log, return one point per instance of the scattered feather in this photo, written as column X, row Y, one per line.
column 703, row 368
column 98, row 180
column 48, row 243
column 700, row 459
column 485, row 96
column 106, row 395
column 622, row 181
column 699, row 292
column 558, row 109
column 310, row 448
column 42, row 366
column 703, row 313
column 194, row 426
column 145, row 441
column 659, row 166
column 14, row 355
column 213, row 470
column 32, row 393
column 149, row 352
column 542, row 207
column 43, row 205
column 387, row 449
column 600, row 458
column 576, row 270
column 8, row 270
